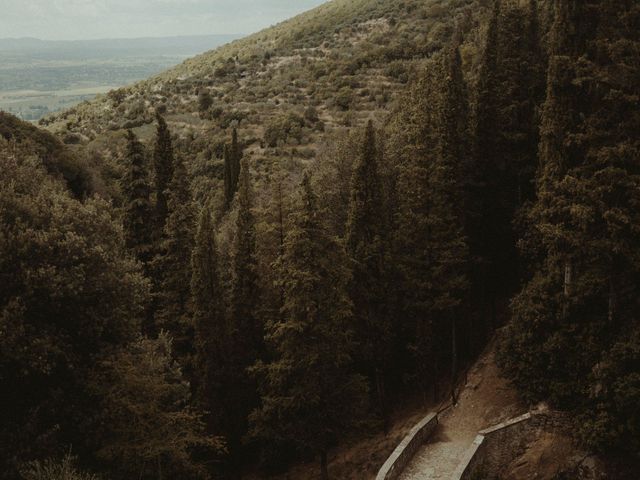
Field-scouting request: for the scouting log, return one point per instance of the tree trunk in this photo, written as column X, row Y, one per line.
column 612, row 300
column 324, row 471
column 568, row 273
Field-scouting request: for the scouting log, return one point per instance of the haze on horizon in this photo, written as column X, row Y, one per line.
column 101, row 19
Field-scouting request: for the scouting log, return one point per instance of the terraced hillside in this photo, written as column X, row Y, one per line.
column 330, row 68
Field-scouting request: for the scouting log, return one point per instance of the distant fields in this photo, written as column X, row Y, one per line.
column 37, row 77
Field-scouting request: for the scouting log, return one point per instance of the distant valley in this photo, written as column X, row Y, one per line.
column 39, row 77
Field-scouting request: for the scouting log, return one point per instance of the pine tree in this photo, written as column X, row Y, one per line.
column 368, row 245
column 138, row 208
column 163, row 161
column 211, row 331
column 310, row 396
column 174, row 262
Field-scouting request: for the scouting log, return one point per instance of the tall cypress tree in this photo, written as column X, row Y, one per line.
column 455, row 157
column 482, row 234
column 510, row 89
column 247, row 332
column 229, row 189
column 430, row 245
column 236, row 158
column 368, row 245
column 163, row 160
column 232, row 167
column 138, row 212
column 310, row 396
column 211, row 330
column 174, row 262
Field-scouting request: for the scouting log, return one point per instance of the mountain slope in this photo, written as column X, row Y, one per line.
column 347, row 59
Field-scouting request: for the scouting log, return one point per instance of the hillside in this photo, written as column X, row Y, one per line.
column 327, row 69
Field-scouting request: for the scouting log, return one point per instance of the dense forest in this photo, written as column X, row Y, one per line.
column 212, row 303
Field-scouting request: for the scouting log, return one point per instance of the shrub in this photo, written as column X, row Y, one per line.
column 51, row 469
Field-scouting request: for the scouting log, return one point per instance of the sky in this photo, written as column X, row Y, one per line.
column 93, row 19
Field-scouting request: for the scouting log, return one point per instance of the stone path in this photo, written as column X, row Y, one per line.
column 486, row 400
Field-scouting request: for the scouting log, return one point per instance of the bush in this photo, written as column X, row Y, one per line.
column 50, row 469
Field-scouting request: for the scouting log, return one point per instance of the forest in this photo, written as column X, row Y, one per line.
column 185, row 307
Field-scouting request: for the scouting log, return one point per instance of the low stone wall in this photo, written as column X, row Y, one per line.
column 405, row 451
column 499, row 445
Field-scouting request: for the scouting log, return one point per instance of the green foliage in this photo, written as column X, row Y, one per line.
column 615, row 421
column 57, row 160
column 172, row 265
column 70, row 294
column 148, row 426
column 64, row 469
column 574, row 328
column 211, row 329
column 232, row 161
column 283, row 129
column 368, row 242
column 431, row 246
column 310, row 396
column 246, row 328
column 163, row 160
column 510, row 90
column 138, row 209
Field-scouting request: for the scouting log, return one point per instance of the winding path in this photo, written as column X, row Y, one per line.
column 486, row 400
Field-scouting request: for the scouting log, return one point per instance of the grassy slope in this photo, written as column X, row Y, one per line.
column 347, row 58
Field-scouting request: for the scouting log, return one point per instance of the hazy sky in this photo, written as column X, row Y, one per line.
column 84, row 19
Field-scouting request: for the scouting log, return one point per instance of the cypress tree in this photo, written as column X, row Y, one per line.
column 368, row 244
column 163, row 160
column 310, row 396
column 138, row 210
column 245, row 296
column 174, row 262
column 236, row 159
column 211, row 332
column 228, row 177
column 232, row 167
column 430, row 245
column 510, row 89
column 246, row 329
column 483, row 232
column 574, row 328
column 454, row 152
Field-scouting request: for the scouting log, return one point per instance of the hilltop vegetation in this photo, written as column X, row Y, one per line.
column 330, row 68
